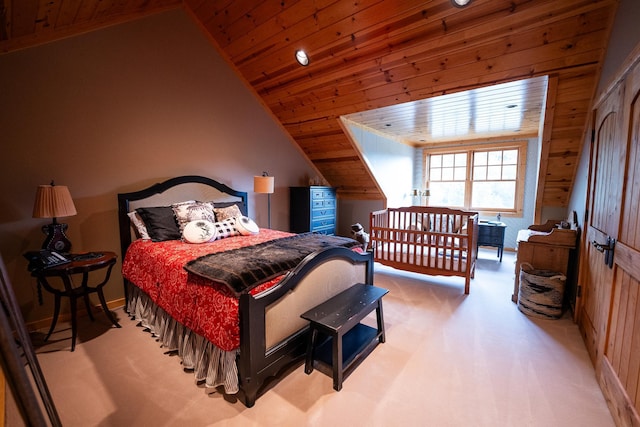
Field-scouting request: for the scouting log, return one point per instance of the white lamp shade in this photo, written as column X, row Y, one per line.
column 53, row 201
column 263, row 184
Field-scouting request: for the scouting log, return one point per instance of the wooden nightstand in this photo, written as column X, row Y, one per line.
column 81, row 264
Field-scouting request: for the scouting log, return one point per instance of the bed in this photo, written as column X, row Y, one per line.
column 425, row 239
column 233, row 340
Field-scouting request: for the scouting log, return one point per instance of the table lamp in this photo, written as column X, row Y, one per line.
column 54, row 201
column 264, row 184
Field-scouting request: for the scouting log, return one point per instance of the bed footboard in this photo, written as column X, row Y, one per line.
column 428, row 240
column 272, row 334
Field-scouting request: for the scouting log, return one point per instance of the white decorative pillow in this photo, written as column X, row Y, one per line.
column 226, row 228
column 199, row 231
column 246, row 226
column 139, row 225
column 232, row 211
column 187, row 212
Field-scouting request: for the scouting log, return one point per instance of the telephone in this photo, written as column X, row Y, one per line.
column 45, row 259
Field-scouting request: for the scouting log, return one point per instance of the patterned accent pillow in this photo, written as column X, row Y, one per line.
column 226, row 228
column 232, row 211
column 199, row 231
column 187, row 212
column 137, row 222
column 246, row 226
column 240, row 204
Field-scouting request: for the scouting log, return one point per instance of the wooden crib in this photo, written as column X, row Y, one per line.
column 425, row 239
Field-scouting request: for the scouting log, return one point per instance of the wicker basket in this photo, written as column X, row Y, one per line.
column 541, row 292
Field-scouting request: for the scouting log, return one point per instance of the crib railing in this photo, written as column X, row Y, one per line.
column 431, row 240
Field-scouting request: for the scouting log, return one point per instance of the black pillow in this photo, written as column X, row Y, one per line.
column 160, row 222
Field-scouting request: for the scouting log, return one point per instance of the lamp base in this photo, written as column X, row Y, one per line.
column 56, row 239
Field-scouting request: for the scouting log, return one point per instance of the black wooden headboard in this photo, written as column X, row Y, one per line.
column 126, row 200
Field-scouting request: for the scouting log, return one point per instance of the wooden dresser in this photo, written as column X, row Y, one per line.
column 312, row 209
column 545, row 247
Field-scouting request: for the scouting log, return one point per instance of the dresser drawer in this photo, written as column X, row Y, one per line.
column 323, row 213
column 325, row 230
column 322, row 222
column 323, row 203
column 490, row 240
column 322, row 193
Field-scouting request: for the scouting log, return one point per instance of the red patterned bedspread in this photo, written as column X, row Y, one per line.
column 207, row 308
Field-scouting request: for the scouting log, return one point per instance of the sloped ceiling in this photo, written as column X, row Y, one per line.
column 372, row 53
column 369, row 54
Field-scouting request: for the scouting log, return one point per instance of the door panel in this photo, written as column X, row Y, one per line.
column 596, row 291
column 620, row 369
column 605, row 198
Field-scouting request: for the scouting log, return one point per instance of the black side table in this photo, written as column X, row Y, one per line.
column 81, row 264
column 492, row 234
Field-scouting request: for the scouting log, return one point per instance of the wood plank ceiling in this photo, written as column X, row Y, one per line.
column 370, row 54
column 510, row 110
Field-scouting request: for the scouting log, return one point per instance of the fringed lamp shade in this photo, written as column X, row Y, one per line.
column 54, row 201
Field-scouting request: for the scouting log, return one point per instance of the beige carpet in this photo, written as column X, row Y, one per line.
column 449, row 360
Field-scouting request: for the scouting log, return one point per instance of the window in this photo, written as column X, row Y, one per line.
column 482, row 179
column 447, row 178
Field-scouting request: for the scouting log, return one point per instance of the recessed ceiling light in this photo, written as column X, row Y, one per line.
column 460, row 3
column 302, row 58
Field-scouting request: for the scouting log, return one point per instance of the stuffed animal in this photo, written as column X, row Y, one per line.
column 358, row 233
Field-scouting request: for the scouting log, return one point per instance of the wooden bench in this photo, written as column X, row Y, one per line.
column 347, row 341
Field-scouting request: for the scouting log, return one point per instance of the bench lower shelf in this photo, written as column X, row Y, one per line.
column 356, row 345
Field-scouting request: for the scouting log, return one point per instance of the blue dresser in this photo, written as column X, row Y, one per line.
column 312, row 208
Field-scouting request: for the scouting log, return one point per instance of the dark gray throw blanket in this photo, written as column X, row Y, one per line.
column 243, row 269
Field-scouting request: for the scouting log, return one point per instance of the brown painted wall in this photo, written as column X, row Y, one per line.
column 115, row 110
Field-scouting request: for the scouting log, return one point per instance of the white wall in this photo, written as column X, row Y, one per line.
column 392, row 164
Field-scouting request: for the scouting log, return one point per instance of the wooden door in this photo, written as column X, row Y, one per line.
column 619, row 372
column 604, row 203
